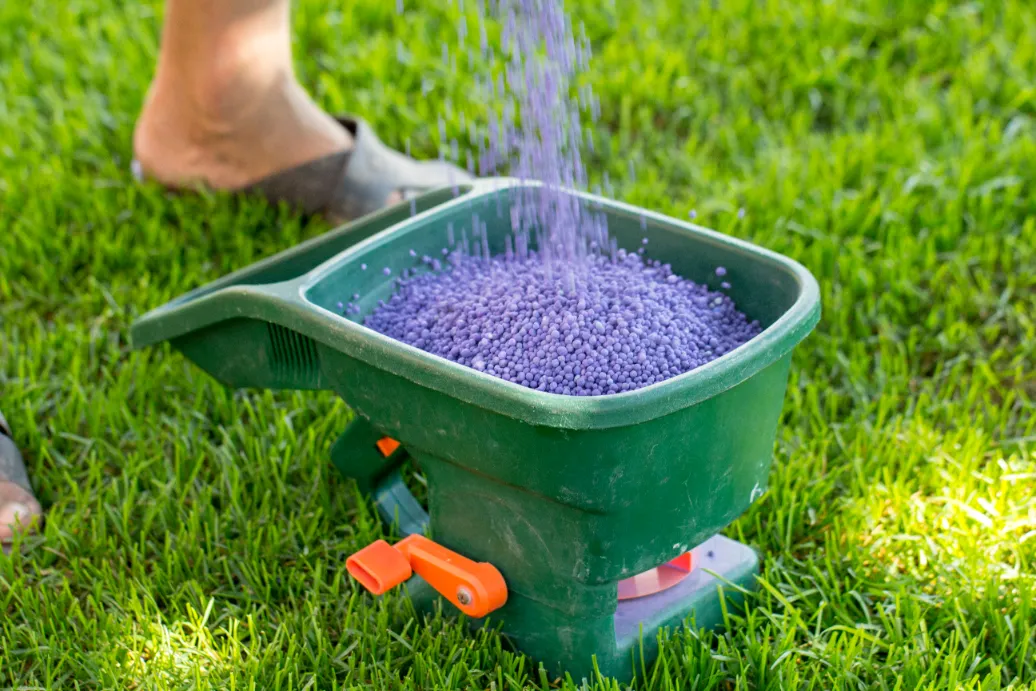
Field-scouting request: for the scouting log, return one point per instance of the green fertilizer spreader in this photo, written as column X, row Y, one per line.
column 582, row 525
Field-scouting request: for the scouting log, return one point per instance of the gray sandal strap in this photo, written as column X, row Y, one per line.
column 354, row 183
column 308, row 187
column 12, row 467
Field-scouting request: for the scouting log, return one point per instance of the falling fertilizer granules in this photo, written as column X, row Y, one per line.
column 579, row 316
column 627, row 324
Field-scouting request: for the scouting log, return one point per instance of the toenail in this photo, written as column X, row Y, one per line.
column 13, row 513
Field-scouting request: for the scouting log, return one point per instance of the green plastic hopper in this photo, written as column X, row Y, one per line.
column 565, row 496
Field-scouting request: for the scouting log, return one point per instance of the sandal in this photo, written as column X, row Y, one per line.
column 349, row 184
column 18, row 507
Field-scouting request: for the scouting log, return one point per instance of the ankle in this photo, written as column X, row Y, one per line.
column 230, row 119
column 216, row 97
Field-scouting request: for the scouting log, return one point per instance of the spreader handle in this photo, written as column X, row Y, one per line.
column 373, row 460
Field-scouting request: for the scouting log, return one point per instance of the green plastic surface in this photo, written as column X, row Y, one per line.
column 565, row 495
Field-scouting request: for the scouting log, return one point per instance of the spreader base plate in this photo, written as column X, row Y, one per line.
column 718, row 562
column 581, row 643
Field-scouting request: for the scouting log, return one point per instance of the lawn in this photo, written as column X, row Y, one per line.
column 196, row 537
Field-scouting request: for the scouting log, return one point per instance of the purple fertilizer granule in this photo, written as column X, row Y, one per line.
column 626, row 324
column 538, row 134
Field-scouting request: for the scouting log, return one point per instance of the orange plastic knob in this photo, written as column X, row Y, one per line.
column 387, row 446
column 379, row 567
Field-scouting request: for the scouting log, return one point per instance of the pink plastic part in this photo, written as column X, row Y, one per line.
column 657, row 579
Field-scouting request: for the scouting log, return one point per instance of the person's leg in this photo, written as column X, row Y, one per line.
column 225, row 109
column 18, row 508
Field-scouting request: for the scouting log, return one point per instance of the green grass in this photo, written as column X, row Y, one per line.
column 196, row 536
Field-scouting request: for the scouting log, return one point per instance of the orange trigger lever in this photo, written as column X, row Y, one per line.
column 475, row 588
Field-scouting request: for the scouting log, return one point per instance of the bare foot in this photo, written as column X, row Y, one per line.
column 18, row 508
column 242, row 119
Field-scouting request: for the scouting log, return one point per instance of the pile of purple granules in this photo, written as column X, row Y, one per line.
column 581, row 317
column 629, row 322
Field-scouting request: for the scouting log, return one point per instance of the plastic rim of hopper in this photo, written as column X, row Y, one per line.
column 657, row 579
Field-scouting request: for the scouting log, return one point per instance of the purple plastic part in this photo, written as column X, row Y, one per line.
column 730, row 561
